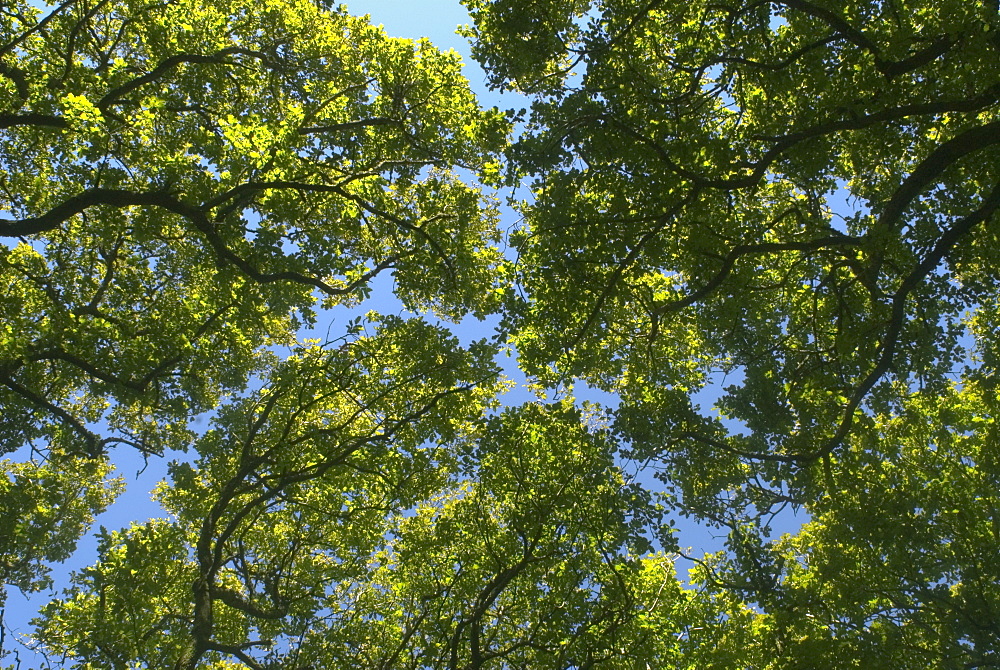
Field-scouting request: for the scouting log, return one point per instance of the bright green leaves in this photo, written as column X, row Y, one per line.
column 295, row 488
column 701, row 159
column 196, row 193
column 318, row 530
column 44, row 508
column 792, row 203
column 518, row 564
column 188, row 185
column 786, row 208
column 524, row 46
column 124, row 610
column 80, row 113
column 683, row 225
column 897, row 565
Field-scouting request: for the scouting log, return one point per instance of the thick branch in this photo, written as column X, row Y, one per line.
column 253, row 187
column 77, row 204
column 56, row 354
column 93, row 445
column 834, row 21
column 18, row 76
column 196, row 215
column 890, row 69
column 929, row 169
column 887, row 349
column 747, row 250
column 487, row 596
column 238, row 652
column 32, row 119
column 783, row 143
column 168, row 64
column 915, row 61
column 238, row 602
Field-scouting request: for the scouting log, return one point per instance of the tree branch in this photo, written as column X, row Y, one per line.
column 926, row 174
column 887, row 348
column 219, row 57
column 32, row 119
column 91, row 197
column 10, row 46
column 751, row 249
column 93, row 445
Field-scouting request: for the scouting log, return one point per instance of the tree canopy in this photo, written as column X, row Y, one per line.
column 790, row 204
